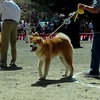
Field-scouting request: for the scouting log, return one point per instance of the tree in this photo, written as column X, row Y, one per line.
column 61, row 5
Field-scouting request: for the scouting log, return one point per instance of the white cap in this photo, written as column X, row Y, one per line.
column 62, row 15
column 71, row 14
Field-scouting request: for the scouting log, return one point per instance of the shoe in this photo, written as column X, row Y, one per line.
column 13, row 66
column 92, row 73
column 4, row 66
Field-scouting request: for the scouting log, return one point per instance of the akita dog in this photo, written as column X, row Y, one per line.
column 47, row 49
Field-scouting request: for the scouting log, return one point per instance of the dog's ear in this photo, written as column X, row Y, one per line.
column 39, row 39
column 30, row 37
column 36, row 34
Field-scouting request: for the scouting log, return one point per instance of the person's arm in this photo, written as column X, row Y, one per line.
column 89, row 8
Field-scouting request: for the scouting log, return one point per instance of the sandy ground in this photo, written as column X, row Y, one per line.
column 24, row 84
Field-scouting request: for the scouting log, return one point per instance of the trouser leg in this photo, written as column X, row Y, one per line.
column 13, row 40
column 95, row 52
column 5, row 42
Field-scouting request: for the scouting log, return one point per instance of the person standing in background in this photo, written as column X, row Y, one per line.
column 73, row 30
column 10, row 17
column 94, row 9
column 90, row 26
column 27, row 29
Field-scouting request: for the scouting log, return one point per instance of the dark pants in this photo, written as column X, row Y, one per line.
column 95, row 52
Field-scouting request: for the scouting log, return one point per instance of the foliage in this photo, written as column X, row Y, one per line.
column 28, row 7
column 61, row 5
column 55, row 6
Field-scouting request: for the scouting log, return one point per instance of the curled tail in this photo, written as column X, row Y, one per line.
column 63, row 36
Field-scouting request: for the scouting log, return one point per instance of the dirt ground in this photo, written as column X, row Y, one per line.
column 24, row 84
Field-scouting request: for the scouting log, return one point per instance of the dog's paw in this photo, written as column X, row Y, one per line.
column 67, row 77
column 70, row 77
column 42, row 78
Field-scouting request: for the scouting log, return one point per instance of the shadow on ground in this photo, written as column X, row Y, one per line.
column 44, row 83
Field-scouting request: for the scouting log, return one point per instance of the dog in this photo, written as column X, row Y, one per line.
column 47, row 49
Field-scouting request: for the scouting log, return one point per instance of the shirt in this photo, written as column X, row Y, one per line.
column 10, row 10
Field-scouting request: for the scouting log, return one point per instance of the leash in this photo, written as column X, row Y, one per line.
column 67, row 20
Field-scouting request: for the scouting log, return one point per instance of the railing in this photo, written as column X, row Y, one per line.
column 83, row 36
column 86, row 36
column 45, row 36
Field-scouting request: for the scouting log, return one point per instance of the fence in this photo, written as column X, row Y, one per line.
column 86, row 36
column 83, row 36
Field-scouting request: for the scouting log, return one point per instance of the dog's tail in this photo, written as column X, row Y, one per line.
column 63, row 36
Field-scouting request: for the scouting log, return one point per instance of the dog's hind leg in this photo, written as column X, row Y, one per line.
column 40, row 64
column 70, row 66
column 65, row 64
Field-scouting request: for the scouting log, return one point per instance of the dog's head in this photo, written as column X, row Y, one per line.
column 35, row 42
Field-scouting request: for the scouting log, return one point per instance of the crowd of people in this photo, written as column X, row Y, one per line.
column 86, row 26
column 47, row 27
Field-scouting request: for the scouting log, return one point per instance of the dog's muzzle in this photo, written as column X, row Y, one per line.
column 33, row 48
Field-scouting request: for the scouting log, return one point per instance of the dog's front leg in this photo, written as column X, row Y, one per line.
column 40, row 64
column 46, row 68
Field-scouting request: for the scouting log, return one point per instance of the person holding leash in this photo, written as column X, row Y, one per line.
column 94, row 9
column 11, row 13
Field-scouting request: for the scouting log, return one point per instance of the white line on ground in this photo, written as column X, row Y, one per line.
column 79, row 81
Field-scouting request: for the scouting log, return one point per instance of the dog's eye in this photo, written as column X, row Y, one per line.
column 34, row 42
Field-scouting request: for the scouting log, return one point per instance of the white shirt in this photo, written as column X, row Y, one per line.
column 90, row 26
column 10, row 10
column 27, row 26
